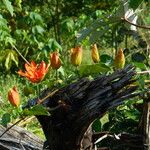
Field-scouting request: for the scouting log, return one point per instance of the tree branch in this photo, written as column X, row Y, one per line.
column 139, row 26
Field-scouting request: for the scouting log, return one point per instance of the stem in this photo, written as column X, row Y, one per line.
column 57, row 22
column 56, row 74
column 126, row 41
column 55, row 30
column 116, row 42
column 144, row 72
column 21, row 55
column 77, row 71
column 49, row 95
column 38, row 90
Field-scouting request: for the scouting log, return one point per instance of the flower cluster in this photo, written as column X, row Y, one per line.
column 36, row 72
column 76, row 55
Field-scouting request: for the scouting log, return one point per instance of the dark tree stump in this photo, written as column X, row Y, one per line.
column 74, row 107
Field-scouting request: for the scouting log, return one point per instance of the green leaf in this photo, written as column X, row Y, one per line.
column 106, row 59
column 14, row 58
column 36, row 110
column 132, row 114
column 141, row 82
column 3, row 23
column 36, row 18
column 5, row 119
column 28, row 90
column 9, row 6
column 104, row 119
column 10, row 40
column 38, row 29
column 135, row 3
column 141, row 66
column 61, row 71
column 8, row 62
column 96, row 126
column 67, row 25
column 85, row 70
column 18, row 3
column 54, row 45
column 10, row 56
column 94, row 30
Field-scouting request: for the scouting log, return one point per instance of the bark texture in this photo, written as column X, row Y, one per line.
column 74, row 107
column 18, row 138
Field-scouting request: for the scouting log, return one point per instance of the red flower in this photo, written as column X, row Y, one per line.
column 13, row 97
column 55, row 60
column 35, row 72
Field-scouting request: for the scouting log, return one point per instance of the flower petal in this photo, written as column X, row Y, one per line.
column 20, row 72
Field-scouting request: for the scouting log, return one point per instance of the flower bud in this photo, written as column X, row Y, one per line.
column 95, row 54
column 76, row 55
column 119, row 61
column 55, row 60
column 13, row 97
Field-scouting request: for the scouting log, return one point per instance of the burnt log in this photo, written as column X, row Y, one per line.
column 74, row 107
column 18, row 138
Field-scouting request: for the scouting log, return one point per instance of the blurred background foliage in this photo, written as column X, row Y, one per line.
column 36, row 28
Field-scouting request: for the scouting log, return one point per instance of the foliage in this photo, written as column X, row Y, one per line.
column 31, row 30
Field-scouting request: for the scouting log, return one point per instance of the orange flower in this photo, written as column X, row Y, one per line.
column 13, row 97
column 55, row 60
column 76, row 55
column 95, row 54
column 35, row 72
column 119, row 61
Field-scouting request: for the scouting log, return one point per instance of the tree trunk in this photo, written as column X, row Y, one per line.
column 74, row 107
column 146, row 117
column 146, row 123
